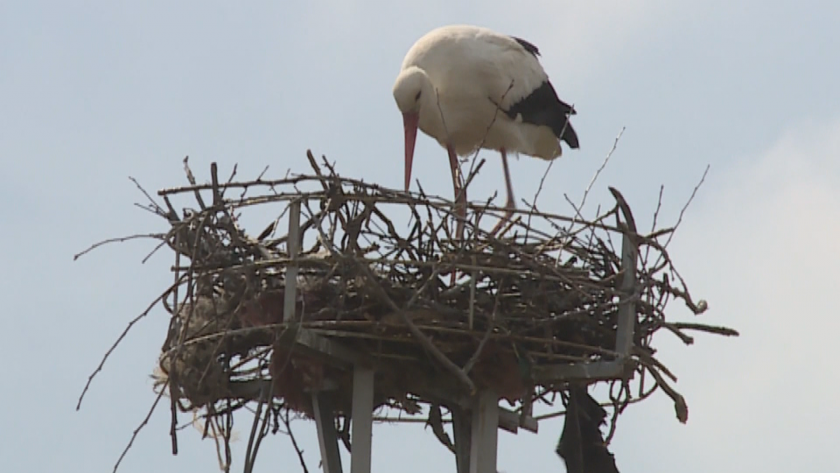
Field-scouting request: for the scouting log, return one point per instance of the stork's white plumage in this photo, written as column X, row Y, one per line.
column 469, row 87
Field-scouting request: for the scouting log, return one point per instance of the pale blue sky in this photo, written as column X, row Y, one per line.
column 94, row 92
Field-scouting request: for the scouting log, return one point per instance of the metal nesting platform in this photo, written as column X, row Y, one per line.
column 477, row 418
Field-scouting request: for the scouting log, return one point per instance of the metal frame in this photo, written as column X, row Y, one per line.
column 618, row 368
column 475, row 420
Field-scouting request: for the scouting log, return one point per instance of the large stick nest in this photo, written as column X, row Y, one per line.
column 374, row 277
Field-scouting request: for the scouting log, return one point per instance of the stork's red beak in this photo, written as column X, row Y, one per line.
column 410, row 122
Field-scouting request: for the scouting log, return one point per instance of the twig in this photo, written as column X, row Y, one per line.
column 680, row 406
column 294, row 442
column 579, row 207
column 725, row 331
column 685, row 207
column 474, row 358
column 119, row 339
column 157, row 208
column 191, row 178
column 253, row 439
column 655, row 219
column 427, row 344
column 139, row 428
column 539, row 191
column 154, row 250
column 156, row 236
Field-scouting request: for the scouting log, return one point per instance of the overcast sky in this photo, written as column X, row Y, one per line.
column 94, row 92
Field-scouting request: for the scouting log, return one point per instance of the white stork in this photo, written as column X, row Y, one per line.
column 469, row 87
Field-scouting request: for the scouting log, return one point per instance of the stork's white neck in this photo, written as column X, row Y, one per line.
column 415, row 92
column 431, row 115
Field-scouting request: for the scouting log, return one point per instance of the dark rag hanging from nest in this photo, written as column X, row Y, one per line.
column 581, row 444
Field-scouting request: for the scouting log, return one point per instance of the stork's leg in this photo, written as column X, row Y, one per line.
column 460, row 199
column 510, row 206
column 460, row 193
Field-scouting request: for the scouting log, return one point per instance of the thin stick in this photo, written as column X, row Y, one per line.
column 140, row 427
column 157, row 208
column 120, row 339
column 427, row 344
column 685, row 207
column 156, row 236
column 579, row 207
column 298, row 450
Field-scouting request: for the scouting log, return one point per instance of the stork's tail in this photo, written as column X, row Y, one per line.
column 570, row 136
column 581, row 444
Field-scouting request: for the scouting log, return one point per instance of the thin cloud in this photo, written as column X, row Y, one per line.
column 762, row 248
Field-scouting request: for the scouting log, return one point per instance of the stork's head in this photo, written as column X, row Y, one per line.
column 411, row 90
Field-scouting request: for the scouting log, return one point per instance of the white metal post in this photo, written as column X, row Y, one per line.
column 362, row 427
column 462, row 431
column 485, row 433
column 293, row 246
column 627, row 308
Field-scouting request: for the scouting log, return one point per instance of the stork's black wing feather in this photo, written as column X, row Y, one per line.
column 543, row 107
column 528, row 46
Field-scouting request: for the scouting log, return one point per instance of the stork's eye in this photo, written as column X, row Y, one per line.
column 417, row 97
